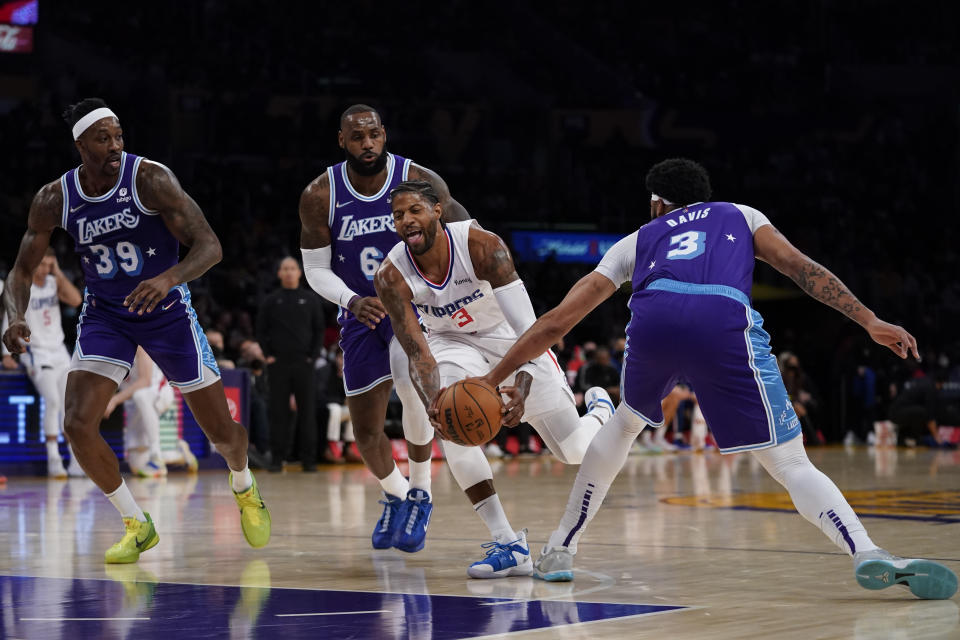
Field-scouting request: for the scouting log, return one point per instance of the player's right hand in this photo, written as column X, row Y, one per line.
column 370, row 311
column 16, row 337
column 893, row 337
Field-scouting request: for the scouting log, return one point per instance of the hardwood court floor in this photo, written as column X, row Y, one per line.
column 708, row 545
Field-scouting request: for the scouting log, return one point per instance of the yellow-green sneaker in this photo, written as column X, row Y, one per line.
column 139, row 537
column 254, row 517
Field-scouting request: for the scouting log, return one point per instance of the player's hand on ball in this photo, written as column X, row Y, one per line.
column 148, row 294
column 513, row 410
column 433, row 413
column 16, row 336
column 893, row 337
column 370, row 311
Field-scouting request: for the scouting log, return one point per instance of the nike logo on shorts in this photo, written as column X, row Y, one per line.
column 168, row 306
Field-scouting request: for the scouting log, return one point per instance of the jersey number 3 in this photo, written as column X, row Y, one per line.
column 689, row 245
column 126, row 255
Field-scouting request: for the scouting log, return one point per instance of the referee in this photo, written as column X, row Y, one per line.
column 290, row 330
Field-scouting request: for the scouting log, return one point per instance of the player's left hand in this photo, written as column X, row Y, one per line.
column 433, row 413
column 513, row 409
column 893, row 337
column 148, row 294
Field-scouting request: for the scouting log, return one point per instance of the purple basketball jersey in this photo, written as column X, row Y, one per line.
column 691, row 318
column 361, row 236
column 361, row 227
column 706, row 243
column 118, row 240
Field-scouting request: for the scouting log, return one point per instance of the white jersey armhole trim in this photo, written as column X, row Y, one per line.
column 333, row 197
column 66, row 201
column 133, row 188
column 754, row 218
column 406, row 168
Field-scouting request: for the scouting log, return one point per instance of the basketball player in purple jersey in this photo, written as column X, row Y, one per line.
column 347, row 231
column 127, row 216
column 691, row 269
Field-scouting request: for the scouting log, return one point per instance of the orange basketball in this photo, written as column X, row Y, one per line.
column 470, row 413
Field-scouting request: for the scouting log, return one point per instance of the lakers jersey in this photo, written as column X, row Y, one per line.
column 460, row 304
column 118, row 240
column 361, row 227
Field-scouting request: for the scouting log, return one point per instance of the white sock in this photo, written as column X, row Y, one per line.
column 491, row 512
column 123, row 500
column 243, row 479
column 420, row 474
column 395, row 484
column 815, row 496
column 53, row 451
column 602, row 462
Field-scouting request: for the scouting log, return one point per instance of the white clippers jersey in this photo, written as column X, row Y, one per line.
column 43, row 317
column 156, row 377
column 462, row 304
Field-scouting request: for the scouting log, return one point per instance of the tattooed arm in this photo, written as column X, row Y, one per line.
column 160, row 191
column 45, row 212
column 453, row 211
column 396, row 296
column 773, row 248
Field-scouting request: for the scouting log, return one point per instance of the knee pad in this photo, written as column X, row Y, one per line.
column 467, row 464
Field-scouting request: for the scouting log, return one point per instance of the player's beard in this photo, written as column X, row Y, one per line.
column 362, row 168
column 429, row 238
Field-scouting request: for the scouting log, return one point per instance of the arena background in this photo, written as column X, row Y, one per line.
column 839, row 120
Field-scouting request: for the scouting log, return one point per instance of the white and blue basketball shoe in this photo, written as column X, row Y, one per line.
column 502, row 560
column 387, row 525
column 878, row 569
column 413, row 518
column 598, row 403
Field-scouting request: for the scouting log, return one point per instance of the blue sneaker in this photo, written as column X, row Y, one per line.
column 599, row 404
column 387, row 524
column 877, row 569
column 511, row 559
column 413, row 517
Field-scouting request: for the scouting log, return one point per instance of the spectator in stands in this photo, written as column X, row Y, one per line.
column 215, row 338
column 600, row 372
column 799, row 389
column 252, row 359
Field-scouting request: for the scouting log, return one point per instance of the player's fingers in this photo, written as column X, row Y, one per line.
column 912, row 346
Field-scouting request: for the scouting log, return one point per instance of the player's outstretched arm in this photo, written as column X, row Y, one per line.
column 45, row 212
column 315, row 247
column 773, row 248
column 67, row 292
column 160, row 191
column 453, row 211
column 397, row 298
column 586, row 294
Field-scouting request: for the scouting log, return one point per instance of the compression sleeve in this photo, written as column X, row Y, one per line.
column 518, row 310
column 322, row 279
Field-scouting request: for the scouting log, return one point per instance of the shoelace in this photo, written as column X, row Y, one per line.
column 495, row 548
column 386, row 514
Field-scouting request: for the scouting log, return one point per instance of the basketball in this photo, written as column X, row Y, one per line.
column 470, row 413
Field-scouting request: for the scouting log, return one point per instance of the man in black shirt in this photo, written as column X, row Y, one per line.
column 290, row 330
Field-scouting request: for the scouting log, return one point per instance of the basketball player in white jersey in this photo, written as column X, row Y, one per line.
column 47, row 359
column 464, row 285
column 145, row 396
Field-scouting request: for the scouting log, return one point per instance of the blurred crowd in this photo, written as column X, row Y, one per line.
column 846, row 139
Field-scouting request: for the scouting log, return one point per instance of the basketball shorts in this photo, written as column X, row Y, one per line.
column 460, row 356
column 709, row 335
column 40, row 362
column 366, row 354
column 108, row 335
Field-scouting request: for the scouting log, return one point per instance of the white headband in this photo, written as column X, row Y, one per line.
column 655, row 198
column 84, row 123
